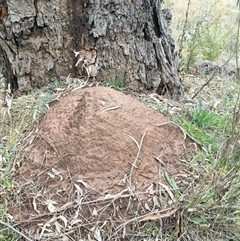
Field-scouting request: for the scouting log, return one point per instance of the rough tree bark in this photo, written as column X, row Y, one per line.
column 42, row 39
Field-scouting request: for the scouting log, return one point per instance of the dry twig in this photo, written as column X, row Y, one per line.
column 208, row 81
column 139, row 146
column 46, row 139
column 183, row 131
column 111, row 108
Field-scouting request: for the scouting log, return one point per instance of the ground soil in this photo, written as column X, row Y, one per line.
column 101, row 140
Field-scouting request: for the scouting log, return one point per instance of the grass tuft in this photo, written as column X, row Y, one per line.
column 118, row 83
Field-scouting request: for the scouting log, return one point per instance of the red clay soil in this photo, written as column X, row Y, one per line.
column 93, row 136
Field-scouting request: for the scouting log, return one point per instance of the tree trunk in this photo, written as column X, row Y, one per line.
column 41, row 40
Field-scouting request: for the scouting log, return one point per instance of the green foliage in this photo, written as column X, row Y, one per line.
column 151, row 228
column 5, row 181
column 7, row 234
column 212, row 201
column 117, row 83
column 40, row 107
column 203, row 137
column 214, row 40
column 57, row 83
column 160, row 108
column 171, row 181
column 209, row 120
column 190, row 43
column 205, row 126
column 205, row 37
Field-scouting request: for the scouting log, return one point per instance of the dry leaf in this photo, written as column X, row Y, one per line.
column 110, row 196
column 44, row 228
column 65, row 206
column 75, row 221
column 158, row 216
column 58, row 226
column 64, row 220
column 94, row 213
column 50, row 206
column 150, row 189
column 57, row 173
column 168, row 191
column 83, row 183
column 89, row 237
column 97, row 235
column 54, row 174
column 76, row 214
column 65, row 238
column 80, row 191
column 51, row 175
column 155, row 202
column 124, row 232
column 35, row 205
column 147, row 207
column 105, row 222
column 217, row 103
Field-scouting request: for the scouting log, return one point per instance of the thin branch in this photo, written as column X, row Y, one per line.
column 212, row 76
column 184, row 29
column 205, row 84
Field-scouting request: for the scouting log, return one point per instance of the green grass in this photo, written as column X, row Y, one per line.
column 117, row 83
column 209, row 128
column 205, row 119
column 212, row 203
column 151, row 228
column 8, row 235
column 160, row 108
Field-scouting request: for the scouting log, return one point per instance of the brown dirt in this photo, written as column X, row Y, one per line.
column 92, row 137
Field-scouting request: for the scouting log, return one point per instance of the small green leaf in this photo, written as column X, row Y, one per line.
column 172, row 183
column 196, row 220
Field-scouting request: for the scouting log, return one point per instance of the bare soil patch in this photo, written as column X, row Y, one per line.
column 97, row 160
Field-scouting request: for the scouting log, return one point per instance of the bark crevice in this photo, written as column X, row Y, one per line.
column 41, row 40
